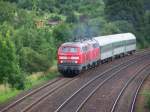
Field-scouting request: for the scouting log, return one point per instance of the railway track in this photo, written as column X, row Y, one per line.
column 31, row 99
column 15, row 103
column 136, row 94
column 107, row 103
column 91, row 87
column 111, row 92
column 138, row 79
column 28, row 105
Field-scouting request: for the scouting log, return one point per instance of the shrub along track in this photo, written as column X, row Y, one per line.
column 59, row 87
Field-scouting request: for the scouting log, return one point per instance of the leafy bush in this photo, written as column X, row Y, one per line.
column 72, row 18
column 9, row 66
column 35, row 48
column 32, row 61
column 110, row 28
column 55, row 18
column 7, row 11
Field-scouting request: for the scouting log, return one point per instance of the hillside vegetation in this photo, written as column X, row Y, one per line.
column 32, row 30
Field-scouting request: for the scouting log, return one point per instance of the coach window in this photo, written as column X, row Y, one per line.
column 130, row 42
column 118, row 44
column 106, row 48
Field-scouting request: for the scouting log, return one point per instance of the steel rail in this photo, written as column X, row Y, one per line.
column 45, row 95
column 29, row 94
column 123, row 89
column 89, row 82
column 136, row 94
column 90, row 95
column 50, row 83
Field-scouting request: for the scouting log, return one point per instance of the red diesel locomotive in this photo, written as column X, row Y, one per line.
column 73, row 57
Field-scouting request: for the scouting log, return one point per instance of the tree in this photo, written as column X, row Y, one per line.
column 32, row 61
column 9, row 66
column 62, row 33
column 128, row 10
column 26, row 4
column 71, row 17
column 7, row 11
column 145, row 42
column 36, row 49
column 124, row 26
column 147, row 24
column 110, row 28
column 47, row 5
column 147, row 4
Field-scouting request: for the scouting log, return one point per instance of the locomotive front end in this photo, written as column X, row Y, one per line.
column 69, row 60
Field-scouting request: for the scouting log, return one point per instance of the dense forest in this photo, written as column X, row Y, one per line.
column 32, row 30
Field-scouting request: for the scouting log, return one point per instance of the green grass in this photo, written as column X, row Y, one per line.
column 33, row 81
column 146, row 94
column 7, row 93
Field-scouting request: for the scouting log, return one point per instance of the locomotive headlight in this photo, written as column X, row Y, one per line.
column 62, row 57
column 75, row 57
column 76, row 62
column 61, row 61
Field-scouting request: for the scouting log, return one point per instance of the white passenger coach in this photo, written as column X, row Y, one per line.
column 116, row 45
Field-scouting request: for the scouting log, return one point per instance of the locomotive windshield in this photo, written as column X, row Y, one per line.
column 69, row 49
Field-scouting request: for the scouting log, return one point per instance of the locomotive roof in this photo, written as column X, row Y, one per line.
column 104, row 40
column 79, row 44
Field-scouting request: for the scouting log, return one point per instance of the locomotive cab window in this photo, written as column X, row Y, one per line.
column 73, row 49
column 69, row 49
column 65, row 49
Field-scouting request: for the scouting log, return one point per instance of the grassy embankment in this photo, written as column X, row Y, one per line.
column 147, row 96
column 6, row 93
